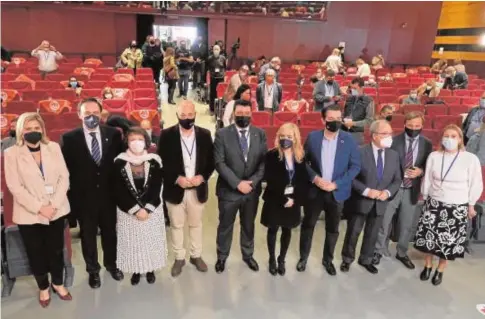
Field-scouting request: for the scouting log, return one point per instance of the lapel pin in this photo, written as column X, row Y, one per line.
column 106, row 139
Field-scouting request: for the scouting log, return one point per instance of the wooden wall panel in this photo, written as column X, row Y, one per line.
column 462, row 14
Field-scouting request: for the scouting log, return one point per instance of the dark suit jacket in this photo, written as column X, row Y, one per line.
column 346, row 165
column 277, row 96
column 170, row 150
column 367, row 178
column 154, row 138
column 319, row 94
column 277, row 179
column 91, row 186
column 425, row 147
column 232, row 167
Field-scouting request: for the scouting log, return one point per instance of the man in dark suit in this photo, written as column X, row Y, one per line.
column 333, row 161
column 239, row 153
column 269, row 93
column 413, row 150
column 89, row 153
column 378, row 181
column 326, row 92
column 188, row 162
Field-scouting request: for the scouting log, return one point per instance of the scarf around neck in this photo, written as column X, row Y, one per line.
column 136, row 160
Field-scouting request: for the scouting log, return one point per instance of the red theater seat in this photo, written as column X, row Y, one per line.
column 85, row 93
column 145, row 84
column 436, row 109
column 473, row 101
column 48, row 85
column 144, row 77
column 311, row 119
column 125, row 71
column 57, row 77
column 145, row 104
column 280, row 118
column 413, row 108
column 102, row 77
column 433, row 135
column 144, row 71
column 445, row 92
column 461, row 93
column 19, row 86
column 95, row 85
column 116, row 106
column 388, row 99
column 397, row 121
column 450, row 99
column 456, row 109
column 145, row 93
column 122, row 84
column 64, row 94
column 440, row 121
column 35, row 95
column 478, row 93
column 387, row 91
column 19, row 107
column 261, row 119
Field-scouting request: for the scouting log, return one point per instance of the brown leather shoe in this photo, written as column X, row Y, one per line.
column 177, row 267
column 199, row 264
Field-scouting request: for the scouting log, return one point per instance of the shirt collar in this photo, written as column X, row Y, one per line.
column 327, row 139
column 190, row 135
column 240, row 129
column 88, row 132
column 375, row 148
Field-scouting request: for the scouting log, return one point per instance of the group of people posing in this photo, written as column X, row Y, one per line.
column 116, row 185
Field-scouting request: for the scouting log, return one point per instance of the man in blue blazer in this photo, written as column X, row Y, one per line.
column 333, row 161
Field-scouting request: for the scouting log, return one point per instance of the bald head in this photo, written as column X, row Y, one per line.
column 186, row 114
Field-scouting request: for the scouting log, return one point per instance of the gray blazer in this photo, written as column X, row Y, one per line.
column 476, row 145
column 319, row 94
column 367, row 178
column 277, row 96
column 231, row 165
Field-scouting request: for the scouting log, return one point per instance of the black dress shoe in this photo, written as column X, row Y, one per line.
column 330, row 268
column 220, row 266
column 406, row 261
column 370, row 268
column 272, row 267
column 117, row 274
column 94, row 281
column 135, row 279
column 301, row 266
column 437, row 278
column 151, row 277
column 425, row 274
column 377, row 259
column 281, row 267
column 252, row 264
column 344, row 267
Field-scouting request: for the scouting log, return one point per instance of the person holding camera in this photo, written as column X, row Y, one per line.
column 48, row 56
column 184, row 59
column 216, row 64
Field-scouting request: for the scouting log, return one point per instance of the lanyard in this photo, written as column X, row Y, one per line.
column 269, row 91
column 449, row 168
column 191, row 148
column 291, row 172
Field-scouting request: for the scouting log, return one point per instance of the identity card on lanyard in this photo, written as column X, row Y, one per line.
column 289, row 189
column 443, row 177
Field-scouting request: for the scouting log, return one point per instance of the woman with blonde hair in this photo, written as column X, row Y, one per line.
column 171, row 73
column 429, row 89
column 334, row 61
column 363, row 69
column 451, row 186
column 38, row 179
column 286, row 187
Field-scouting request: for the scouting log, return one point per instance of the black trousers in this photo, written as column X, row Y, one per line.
column 248, row 208
column 284, row 242
column 172, row 84
column 213, row 92
column 44, row 245
column 89, row 222
column 333, row 209
column 355, row 224
column 156, row 68
column 198, row 76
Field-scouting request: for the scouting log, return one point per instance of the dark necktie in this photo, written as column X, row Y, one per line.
column 244, row 143
column 380, row 166
column 407, row 182
column 95, row 151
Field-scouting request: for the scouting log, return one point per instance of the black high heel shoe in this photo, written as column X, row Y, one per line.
column 281, row 267
column 135, row 279
column 437, row 278
column 151, row 277
column 425, row 274
column 272, row 267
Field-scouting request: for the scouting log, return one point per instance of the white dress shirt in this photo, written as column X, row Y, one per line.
column 187, row 142
column 47, row 59
column 334, row 62
column 268, row 95
column 363, row 70
column 375, row 150
column 247, row 137
column 89, row 139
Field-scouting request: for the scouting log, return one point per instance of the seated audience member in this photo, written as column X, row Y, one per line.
column 108, row 93
column 142, row 243
column 147, row 126
column 476, row 144
column 319, row 74
column 235, row 82
column 284, row 13
column 269, row 93
column 48, row 56
column 326, row 92
column 412, row 98
column 449, row 202
column 132, row 57
column 313, row 81
column 242, row 93
column 428, row 89
column 334, row 61
column 286, row 191
column 455, row 80
column 39, row 208
column 74, row 85
column 11, row 139
column 474, row 119
column 439, row 66
column 363, row 69
column 358, row 111
column 459, row 66
column 378, row 62
column 386, row 113
column 275, row 65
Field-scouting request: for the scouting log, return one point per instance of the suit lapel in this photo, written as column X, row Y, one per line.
column 387, row 166
column 372, row 160
column 319, row 151
column 84, row 143
column 177, row 148
column 401, row 149
column 104, row 142
column 198, row 149
column 340, row 145
column 235, row 138
column 28, row 158
column 253, row 140
column 420, row 150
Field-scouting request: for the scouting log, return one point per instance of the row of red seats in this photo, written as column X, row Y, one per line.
column 428, row 109
column 70, row 95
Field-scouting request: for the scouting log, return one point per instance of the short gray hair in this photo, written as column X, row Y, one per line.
column 374, row 127
column 270, row 72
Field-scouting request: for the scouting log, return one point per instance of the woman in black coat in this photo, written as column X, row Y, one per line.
column 287, row 182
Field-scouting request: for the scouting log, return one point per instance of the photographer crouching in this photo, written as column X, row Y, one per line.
column 216, row 64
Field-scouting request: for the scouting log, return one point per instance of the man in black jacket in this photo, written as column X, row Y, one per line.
column 199, row 53
column 216, row 65
column 89, row 153
column 187, row 156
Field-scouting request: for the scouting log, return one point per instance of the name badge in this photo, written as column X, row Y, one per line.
column 49, row 189
column 289, row 190
column 217, row 70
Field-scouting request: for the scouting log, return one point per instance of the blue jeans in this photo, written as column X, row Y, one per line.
column 183, row 82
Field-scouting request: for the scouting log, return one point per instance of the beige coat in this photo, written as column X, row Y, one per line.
column 30, row 189
column 132, row 59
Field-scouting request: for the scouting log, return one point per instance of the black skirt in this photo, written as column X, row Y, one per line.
column 274, row 215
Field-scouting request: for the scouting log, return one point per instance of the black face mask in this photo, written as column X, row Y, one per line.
column 330, row 82
column 133, row 46
column 187, row 123
column 242, row 121
column 388, row 118
column 33, row 137
column 12, row 133
column 333, row 126
column 412, row 133
column 286, row 143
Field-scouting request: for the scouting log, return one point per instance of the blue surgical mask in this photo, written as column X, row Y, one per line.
column 482, row 103
column 354, row 92
column 91, row 121
column 450, row 144
column 73, row 84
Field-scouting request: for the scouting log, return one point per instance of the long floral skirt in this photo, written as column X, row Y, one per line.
column 442, row 229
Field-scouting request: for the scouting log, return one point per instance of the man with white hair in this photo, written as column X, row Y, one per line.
column 216, row 64
column 378, row 181
column 455, row 80
column 188, row 162
column 48, row 56
column 274, row 64
column 269, row 93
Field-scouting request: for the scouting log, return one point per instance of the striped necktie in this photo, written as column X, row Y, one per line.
column 95, row 151
column 407, row 182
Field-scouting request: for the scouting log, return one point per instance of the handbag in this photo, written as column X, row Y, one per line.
column 171, row 74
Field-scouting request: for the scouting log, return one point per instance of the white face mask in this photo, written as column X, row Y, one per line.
column 450, row 144
column 429, row 87
column 108, row 96
column 137, row 146
column 413, row 95
column 386, row 142
column 354, row 92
